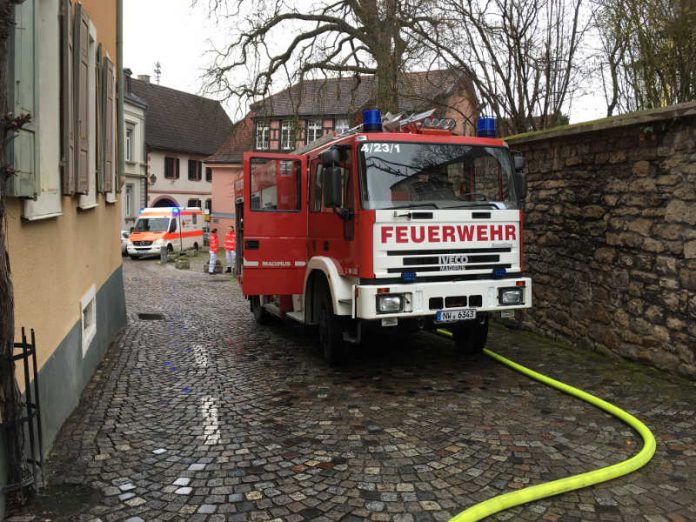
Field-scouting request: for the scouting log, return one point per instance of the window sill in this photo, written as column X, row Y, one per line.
column 88, row 207
column 53, row 215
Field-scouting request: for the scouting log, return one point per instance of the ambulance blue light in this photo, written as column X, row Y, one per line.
column 408, row 277
column 485, row 127
column 372, row 120
column 176, row 210
column 499, row 272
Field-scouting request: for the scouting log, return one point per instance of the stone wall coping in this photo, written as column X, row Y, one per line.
column 672, row 112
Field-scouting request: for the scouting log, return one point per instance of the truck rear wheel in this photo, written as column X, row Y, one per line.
column 260, row 315
column 470, row 336
column 330, row 330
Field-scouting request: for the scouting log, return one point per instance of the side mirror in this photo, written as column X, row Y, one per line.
column 132, row 229
column 520, row 185
column 330, row 157
column 331, row 184
column 518, row 158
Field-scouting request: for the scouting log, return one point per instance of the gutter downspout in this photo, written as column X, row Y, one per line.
column 119, row 106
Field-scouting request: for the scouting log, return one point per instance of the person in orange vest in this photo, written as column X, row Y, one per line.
column 214, row 243
column 230, row 249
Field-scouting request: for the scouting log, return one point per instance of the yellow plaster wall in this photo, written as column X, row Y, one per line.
column 54, row 262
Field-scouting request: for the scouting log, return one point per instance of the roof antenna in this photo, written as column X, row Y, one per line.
column 158, row 71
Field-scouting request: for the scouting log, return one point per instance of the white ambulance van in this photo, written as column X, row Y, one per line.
column 174, row 228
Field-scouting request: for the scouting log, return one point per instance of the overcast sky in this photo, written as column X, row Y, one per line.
column 178, row 36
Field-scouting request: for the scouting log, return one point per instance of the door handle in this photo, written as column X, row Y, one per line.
column 251, row 244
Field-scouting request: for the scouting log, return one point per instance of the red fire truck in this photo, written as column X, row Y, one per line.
column 394, row 224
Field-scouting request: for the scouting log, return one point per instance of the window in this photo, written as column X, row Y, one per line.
column 194, row 170
column 275, row 185
column 341, row 125
column 208, row 174
column 287, row 135
column 88, row 318
column 171, row 168
column 130, row 201
column 129, row 143
column 314, row 130
column 263, row 133
column 209, row 205
column 193, row 203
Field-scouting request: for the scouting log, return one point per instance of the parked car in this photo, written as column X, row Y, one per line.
column 124, row 241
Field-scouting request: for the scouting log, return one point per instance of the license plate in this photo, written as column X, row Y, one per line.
column 459, row 314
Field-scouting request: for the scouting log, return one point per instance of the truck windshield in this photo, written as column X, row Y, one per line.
column 151, row 225
column 435, row 175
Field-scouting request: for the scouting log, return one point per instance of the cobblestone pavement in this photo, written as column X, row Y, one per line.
column 206, row 416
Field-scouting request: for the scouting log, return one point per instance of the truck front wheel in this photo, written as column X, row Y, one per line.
column 260, row 315
column 330, row 332
column 470, row 336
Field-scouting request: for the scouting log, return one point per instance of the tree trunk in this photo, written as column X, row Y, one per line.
column 9, row 394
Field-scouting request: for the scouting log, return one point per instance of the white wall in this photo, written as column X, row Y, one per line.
column 136, row 168
column 180, row 190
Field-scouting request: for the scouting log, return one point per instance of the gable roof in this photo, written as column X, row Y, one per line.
column 240, row 140
column 341, row 96
column 182, row 122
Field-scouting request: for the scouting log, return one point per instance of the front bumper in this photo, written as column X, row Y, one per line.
column 144, row 250
column 425, row 299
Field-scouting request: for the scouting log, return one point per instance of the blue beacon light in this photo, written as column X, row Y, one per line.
column 408, row 277
column 485, row 127
column 372, row 120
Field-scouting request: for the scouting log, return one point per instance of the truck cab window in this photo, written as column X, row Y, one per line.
column 275, row 185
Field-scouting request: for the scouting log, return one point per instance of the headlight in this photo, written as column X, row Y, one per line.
column 389, row 304
column 511, row 296
column 158, row 242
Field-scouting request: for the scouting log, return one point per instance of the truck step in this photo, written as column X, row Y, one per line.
column 296, row 316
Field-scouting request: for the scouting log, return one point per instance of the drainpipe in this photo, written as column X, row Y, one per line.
column 119, row 107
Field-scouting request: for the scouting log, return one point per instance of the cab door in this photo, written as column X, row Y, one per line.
column 274, row 247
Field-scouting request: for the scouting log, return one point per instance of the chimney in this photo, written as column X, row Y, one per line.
column 127, row 73
column 144, row 78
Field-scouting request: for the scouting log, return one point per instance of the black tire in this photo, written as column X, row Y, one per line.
column 170, row 248
column 470, row 336
column 133, row 257
column 195, row 248
column 330, row 329
column 260, row 315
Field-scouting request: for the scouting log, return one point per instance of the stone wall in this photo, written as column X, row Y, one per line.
column 610, row 235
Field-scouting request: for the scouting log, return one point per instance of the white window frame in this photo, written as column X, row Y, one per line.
column 314, row 129
column 341, row 125
column 130, row 134
column 286, row 132
column 88, row 318
column 263, row 135
column 129, row 200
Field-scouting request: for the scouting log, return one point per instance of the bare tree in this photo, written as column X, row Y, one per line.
column 649, row 52
column 281, row 41
column 10, row 412
column 522, row 55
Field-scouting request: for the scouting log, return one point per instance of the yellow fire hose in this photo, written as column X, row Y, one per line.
column 556, row 487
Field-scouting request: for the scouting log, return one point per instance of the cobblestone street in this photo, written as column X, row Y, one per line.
column 203, row 415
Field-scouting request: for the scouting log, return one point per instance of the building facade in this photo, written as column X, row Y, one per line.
column 134, row 180
column 181, row 131
column 305, row 112
column 63, row 204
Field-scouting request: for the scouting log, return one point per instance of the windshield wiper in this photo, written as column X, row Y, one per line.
column 415, row 205
column 473, row 204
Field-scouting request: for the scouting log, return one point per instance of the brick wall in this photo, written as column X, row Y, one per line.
column 610, row 235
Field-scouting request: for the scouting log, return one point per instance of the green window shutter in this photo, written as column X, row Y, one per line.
column 109, row 86
column 23, row 151
column 101, row 94
column 81, row 98
column 67, row 120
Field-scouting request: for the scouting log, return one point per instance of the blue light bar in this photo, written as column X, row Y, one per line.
column 372, row 120
column 485, row 127
column 176, row 210
column 408, row 277
column 499, row 272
